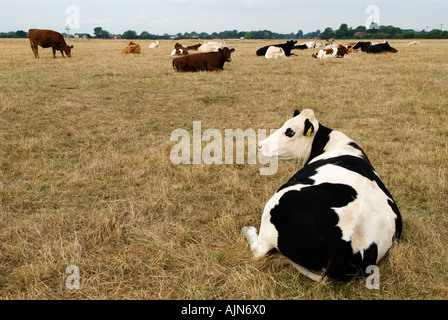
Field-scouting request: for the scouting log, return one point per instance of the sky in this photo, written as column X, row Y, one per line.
column 180, row 16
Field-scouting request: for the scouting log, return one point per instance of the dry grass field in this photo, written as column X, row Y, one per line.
column 86, row 177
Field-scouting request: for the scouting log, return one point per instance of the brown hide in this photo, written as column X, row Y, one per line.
column 210, row 61
column 131, row 48
column 47, row 39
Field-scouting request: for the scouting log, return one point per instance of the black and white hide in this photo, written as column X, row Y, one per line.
column 334, row 217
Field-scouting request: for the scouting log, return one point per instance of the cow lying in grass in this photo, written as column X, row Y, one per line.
column 131, row 48
column 339, row 52
column 287, row 47
column 363, row 45
column 381, row 48
column 334, row 217
column 210, row 61
column 179, row 50
column 274, row 52
column 374, row 48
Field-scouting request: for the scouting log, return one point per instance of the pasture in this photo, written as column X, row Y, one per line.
column 86, row 177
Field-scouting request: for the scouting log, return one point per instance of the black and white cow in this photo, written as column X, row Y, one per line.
column 287, row 47
column 334, row 217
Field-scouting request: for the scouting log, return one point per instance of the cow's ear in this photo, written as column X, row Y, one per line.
column 309, row 128
column 296, row 112
column 231, row 50
column 220, row 50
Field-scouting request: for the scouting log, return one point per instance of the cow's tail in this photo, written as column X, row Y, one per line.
column 174, row 67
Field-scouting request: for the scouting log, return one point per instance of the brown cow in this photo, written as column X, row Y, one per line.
column 131, row 48
column 47, row 39
column 209, row 61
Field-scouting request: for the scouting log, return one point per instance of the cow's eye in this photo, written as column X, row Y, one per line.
column 289, row 132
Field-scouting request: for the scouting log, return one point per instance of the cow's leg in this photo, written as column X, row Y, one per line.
column 35, row 48
column 54, row 52
column 36, row 52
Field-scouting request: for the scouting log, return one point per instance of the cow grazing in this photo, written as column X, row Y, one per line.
column 414, row 43
column 287, row 47
column 209, row 61
column 381, row 48
column 212, row 46
column 47, row 39
column 334, row 217
column 194, row 47
column 131, row 48
column 338, row 52
column 274, row 53
column 363, row 45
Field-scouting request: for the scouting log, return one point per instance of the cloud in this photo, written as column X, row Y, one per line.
column 194, row 3
column 96, row 21
column 253, row 3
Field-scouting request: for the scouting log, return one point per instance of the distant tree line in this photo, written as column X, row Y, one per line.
column 377, row 32
column 14, row 34
column 343, row 32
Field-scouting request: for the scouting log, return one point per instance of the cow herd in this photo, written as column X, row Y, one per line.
column 211, row 55
column 329, row 49
column 274, row 51
column 283, row 50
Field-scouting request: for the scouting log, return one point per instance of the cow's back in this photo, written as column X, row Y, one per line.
column 351, row 213
column 197, row 62
column 46, row 38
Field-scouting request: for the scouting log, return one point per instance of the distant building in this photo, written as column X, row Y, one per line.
column 114, row 36
column 361, row 34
